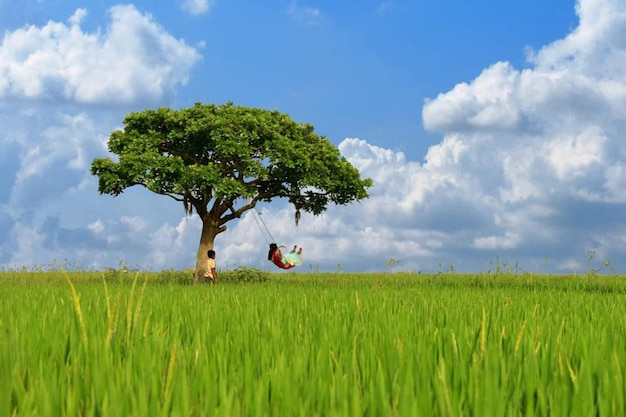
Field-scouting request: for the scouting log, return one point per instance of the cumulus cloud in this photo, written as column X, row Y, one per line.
column 197, row 7
column 62, row 91
column 135, row 59
column 541, row 142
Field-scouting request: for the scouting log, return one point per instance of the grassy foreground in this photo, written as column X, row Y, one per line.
column 88, row 344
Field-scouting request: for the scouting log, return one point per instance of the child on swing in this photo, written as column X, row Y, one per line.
column 285, row 261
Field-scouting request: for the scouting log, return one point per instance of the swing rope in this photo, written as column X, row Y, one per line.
column 265, row 231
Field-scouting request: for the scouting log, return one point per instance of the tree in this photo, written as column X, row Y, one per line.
column 221, row 160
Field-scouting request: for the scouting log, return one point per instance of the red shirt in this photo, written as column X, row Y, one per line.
column 277, row 260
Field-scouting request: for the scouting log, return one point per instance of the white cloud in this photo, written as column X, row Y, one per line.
column 134, row 224
column 489, row 102
column 508, row 241
column 96, row 227
column 197, row 7
column 66, row 140
column 311, row 16
column 133, row 60
column 168, row 244
column 572, row 156
column 50, row 206
column 547, row 137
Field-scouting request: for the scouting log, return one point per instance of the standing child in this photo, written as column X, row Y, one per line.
column 211, row 273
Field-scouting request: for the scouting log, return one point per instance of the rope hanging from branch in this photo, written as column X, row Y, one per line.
column 265, row 231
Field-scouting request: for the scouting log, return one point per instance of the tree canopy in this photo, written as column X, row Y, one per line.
column 221, row 160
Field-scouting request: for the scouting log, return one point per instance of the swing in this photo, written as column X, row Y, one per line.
column 275, row 255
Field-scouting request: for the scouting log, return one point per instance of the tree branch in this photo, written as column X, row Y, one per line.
column 236, row 213
column 174, row 196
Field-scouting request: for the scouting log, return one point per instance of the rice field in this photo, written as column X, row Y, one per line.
column 317, row 344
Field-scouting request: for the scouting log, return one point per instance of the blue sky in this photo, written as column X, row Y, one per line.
column 493, row 132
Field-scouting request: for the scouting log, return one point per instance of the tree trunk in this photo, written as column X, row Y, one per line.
column 210, row 229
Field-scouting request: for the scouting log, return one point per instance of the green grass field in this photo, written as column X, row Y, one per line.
column 115, row 344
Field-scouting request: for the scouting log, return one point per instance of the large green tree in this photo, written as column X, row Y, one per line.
column 221, row 160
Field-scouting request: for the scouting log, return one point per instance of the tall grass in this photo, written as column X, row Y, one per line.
column 313, row 344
